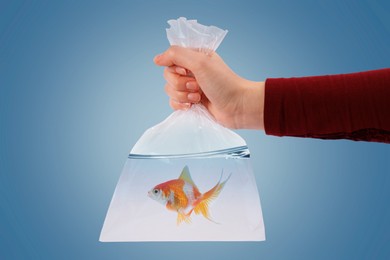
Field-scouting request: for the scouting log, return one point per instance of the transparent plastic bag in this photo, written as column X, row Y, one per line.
column 187, row 178
column 185, row 132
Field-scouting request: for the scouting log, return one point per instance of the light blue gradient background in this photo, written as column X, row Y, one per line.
column 78, row 87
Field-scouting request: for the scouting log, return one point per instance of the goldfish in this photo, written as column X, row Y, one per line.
column 183, row 196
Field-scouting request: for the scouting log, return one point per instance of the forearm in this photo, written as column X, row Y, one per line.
column 352, row 106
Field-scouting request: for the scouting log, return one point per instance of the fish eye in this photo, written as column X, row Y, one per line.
column 155, row 191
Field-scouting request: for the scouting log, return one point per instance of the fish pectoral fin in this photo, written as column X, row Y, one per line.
column 183, row 217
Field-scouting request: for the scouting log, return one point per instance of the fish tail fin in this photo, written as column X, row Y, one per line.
column 183, row 217
column 202, row 207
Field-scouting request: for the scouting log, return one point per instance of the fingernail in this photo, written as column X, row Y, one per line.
column 194, row 97
column 191, row 85
column 187, row 105
column 181, row 71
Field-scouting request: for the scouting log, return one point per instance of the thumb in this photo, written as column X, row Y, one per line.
column 179, row 56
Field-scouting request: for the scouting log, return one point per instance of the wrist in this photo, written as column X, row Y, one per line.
column 252, row 106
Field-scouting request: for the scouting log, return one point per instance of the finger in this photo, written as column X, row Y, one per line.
column 194, row 97
column 182, row 96
column 180, row 56
column 178, row 96
column 178, row 70
column 192, row 86
column 179, row 82
column 181, row 71
column 179, row 106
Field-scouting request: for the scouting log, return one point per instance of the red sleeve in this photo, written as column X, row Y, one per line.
column 347, row 106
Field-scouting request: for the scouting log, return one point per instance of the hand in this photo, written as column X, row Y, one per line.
column 234, row 101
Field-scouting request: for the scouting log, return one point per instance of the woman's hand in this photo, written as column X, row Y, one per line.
column 194, row 77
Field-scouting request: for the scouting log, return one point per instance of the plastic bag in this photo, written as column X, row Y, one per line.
column 187, row 178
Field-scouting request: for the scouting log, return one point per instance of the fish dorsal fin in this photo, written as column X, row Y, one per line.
column 185, row 176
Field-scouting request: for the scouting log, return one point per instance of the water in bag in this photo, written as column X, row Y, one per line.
column 187, row 178
column 202, row 197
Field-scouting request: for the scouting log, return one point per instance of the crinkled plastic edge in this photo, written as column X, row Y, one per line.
column 235, row 152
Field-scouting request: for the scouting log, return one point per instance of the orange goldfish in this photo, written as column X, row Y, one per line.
column 182, row 195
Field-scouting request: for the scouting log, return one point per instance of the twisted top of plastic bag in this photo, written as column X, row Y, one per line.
column 193, row 130
column 191, row 34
